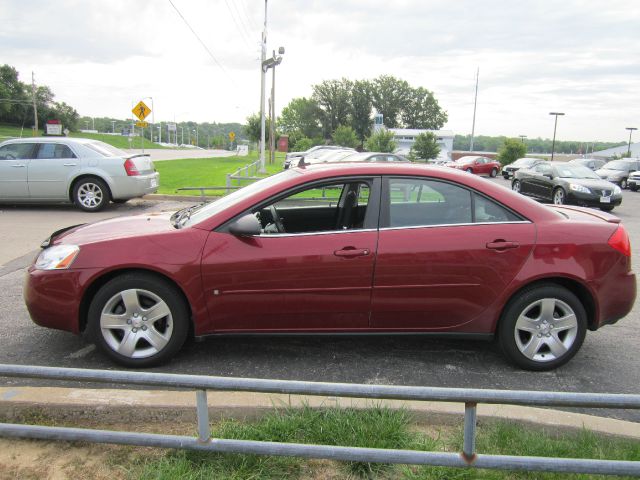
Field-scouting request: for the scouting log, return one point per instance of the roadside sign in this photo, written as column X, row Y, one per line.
column 232, row 136
column 142, row 124
column 172, row 127
column 141, row 110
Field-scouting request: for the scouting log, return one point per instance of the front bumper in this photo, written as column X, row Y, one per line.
column 591, row 200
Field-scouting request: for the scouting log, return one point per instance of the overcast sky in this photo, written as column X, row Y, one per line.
column 578, row 57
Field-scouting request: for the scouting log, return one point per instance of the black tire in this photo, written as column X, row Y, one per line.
column 494, row 172
column 120, row 200
column 505, row 176
column 151, row 294
column 515, row 186
column 633, row 188
column 559, row 196
column 469, row 170
column 532, row 351
column 91, row 194
column 607, row 208
column 623, row 184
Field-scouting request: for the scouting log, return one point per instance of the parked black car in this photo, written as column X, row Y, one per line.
column 509, row 171
column 561, row 183
column 590, row 163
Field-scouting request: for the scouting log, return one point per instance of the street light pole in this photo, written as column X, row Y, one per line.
column 522, row 137
column 555, row 126
column 275, row 61
column 631, row 129
column 263, row 72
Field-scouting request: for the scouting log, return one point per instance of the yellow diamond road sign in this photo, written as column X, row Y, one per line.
column 141, row 110
column 232, row 136
column 142, row 124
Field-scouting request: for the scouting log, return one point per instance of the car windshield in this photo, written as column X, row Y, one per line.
column 524, row 162
column 105, row 149
column 575, row 171
column 618, row 165
column 227, row 201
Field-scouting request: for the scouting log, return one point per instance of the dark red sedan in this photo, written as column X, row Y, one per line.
column 352, row 248
column 477, row 165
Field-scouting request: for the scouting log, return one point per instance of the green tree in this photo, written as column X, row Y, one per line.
column 14, row 102
column 252, row 128
column 381, row 141
column 345, row 137
column 426, row 146
column 361, row 105
column 301, row 115
column 304, row 143
column 389, row 96
column 511, row 150
column 421, row 110
column 334, row 99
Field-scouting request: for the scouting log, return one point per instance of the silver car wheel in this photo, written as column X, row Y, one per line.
column 558, row 197
column 546, row 330
column 516, row 186
column 136, row 323
column 90, row 195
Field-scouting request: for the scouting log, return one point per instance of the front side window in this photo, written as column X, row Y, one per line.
column 16, row 151
column 321, row 208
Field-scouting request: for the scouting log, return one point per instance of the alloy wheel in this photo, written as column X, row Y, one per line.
column 90, row 195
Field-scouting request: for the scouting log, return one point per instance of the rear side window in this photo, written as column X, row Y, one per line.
column 16, row 151
column 488, row 211
column 54, row 150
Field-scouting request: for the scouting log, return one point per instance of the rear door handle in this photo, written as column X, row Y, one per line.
column 70, row 164
column 18, row 165
column 351, row 252
column 502, row 245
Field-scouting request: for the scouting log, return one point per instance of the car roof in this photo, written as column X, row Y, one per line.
column 50, row 140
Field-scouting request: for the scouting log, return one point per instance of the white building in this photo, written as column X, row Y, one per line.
column 406, row 137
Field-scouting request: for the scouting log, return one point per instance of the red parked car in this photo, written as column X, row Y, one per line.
column 357, row 248
column 477, row 165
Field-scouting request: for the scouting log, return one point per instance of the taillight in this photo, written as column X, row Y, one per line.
column 620, row 241
column 130, row 168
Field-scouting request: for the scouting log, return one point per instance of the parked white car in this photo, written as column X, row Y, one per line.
column 88, row 173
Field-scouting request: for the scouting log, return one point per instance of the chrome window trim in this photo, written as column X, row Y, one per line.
column 455, row 225
column 307, row 234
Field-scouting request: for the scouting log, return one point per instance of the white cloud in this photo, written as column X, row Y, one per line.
column 577, row 56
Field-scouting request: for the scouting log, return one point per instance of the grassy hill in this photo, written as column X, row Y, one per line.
column 10, row 131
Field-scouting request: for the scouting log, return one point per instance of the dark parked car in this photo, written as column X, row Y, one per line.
column 618, row 171
column 477, row 165
column 562, row 183
column 360, row 248
column 510, row 170
column 590, row 163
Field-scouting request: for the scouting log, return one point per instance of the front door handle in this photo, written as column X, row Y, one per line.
column 351, row 252
column 18, row 165
column 70, row 164
column 502, row 245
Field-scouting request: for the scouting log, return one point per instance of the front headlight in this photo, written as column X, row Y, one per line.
column 58, row 257
column 579, row 188
column 617, row 190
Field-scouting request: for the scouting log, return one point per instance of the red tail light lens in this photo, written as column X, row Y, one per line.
column 620, row 241
column 130, row 168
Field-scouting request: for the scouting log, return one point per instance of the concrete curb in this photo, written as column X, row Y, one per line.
column 111, row 405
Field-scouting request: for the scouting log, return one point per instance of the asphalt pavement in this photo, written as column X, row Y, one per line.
column 608, row 361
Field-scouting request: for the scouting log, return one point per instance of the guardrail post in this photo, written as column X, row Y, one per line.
column 204, row 433
column 228, row 183
column 469, row 446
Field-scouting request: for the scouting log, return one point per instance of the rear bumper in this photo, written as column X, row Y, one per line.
column 616, row 294
column 137, row 186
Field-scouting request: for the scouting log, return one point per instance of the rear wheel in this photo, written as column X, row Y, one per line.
column 515, row 186
column 494, row 172
column 543, row 327
column 138, row 320
column 91, row 194
column 559, row 197
column 469, row 170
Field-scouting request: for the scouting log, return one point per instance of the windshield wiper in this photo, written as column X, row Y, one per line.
column 183, row 215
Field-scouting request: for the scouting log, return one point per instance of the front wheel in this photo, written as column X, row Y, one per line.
column 623, row 183
column 91, row 194
column 559, row 197
column 543, row 327
column 494, row 172
column 138, row 320
column 515, row 186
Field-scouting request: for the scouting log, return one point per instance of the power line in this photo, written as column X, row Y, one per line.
column 200, row 40
column 239, row 24
column 252, row 23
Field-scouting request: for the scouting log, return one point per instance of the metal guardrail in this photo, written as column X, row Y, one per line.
column 227, row 189
column 465, row 459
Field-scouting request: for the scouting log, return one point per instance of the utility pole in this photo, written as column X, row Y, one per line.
column 475, row 104
column 555, row 126
column 272, row 129
column 262, row 87
column 113, row 126
column 631, row 129
column 35, row 107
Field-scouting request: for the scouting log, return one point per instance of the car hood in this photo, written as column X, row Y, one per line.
column 607, row 173
column 593, row 183
column 115, row 228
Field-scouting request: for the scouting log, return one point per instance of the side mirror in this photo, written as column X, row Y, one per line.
column 247, row 225
column 548, row 175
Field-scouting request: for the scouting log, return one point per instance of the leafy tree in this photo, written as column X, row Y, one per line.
column 389, row 96
column 421, row 110
column 252, row 128
column 511, row 150
column 14, row 102
column 334, row 99
column 361, row 105
column 426, row 146
column 345, row 137
column 303, row 143
column 381, row 141
column 301, row 115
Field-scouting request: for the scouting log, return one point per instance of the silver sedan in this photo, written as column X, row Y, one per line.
column 88, row 173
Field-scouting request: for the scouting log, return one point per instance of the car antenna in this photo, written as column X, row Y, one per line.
column 301, row 163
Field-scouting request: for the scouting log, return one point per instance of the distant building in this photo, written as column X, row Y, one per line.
column 618, row 151
column 406, row 137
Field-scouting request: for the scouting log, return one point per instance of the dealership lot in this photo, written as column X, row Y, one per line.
column 608, row 361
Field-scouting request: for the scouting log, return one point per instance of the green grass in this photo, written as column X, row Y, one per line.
column 10, row 131
column 205, row 172
column 377, row 427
